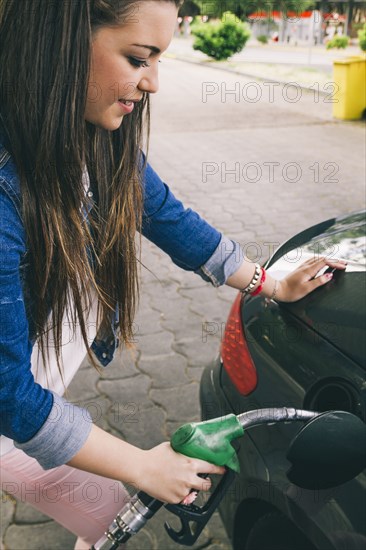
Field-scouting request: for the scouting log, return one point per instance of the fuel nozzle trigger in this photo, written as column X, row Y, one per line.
column 194, row 518
column 210, row 441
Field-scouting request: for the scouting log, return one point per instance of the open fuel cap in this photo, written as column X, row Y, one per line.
column 328, row 451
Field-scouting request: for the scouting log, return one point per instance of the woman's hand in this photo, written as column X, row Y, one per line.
column 293, row 287
column 303, row 280
column 170, row 476
column 160, row 471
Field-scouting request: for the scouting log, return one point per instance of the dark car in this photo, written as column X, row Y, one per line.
column 308, row 355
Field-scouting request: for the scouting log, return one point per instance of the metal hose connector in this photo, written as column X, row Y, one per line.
column 127, row 523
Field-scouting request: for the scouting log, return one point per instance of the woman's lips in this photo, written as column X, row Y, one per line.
column 126, row 106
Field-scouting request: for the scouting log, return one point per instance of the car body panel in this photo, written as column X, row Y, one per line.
column 307, row 355
column 338, row 307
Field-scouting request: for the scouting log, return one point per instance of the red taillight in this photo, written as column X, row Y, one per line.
column 235, row 353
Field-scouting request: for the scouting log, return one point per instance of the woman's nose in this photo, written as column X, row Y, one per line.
column 150, row 80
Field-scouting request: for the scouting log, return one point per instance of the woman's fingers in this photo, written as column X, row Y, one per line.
column 338, row 264
column 307, row 277
column 203, row 467
column 312, row 266
column 322, row 261
column 326, row 262
column 201, row 484
column 170, row 476
column 321, row 280
column 191, row 497
column 199, row 481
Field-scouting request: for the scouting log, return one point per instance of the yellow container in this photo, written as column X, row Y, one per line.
column 349, row 101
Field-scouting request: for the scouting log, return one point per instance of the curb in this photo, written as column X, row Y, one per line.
column 241, row 73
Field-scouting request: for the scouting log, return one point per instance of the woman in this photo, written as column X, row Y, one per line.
column 74, row 188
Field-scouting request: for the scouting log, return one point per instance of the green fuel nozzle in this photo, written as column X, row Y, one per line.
column 210, row 440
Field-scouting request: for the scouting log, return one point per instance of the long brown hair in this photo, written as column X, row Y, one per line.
column 45, row 48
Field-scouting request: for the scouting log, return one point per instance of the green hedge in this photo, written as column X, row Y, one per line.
column 338, row 42
column 220, row 40
column 362, row 38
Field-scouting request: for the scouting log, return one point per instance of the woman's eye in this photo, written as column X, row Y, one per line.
column 135, row 62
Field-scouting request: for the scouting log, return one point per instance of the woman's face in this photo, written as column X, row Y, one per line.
column 124, row 62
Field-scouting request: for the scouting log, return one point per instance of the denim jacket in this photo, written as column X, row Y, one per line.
column 41, row 423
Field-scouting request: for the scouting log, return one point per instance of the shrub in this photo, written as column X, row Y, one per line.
column 220, row 40
column 338, row 42
column 362, row 38
column 262, row 38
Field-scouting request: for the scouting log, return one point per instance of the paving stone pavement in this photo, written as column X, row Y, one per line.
column 260, row 171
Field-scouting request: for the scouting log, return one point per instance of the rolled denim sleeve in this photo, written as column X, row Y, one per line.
column 65, row 431
column 28, row 411
column 191, row 242
column 224, row 262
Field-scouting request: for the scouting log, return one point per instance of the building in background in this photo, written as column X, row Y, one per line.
column 312, row 26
